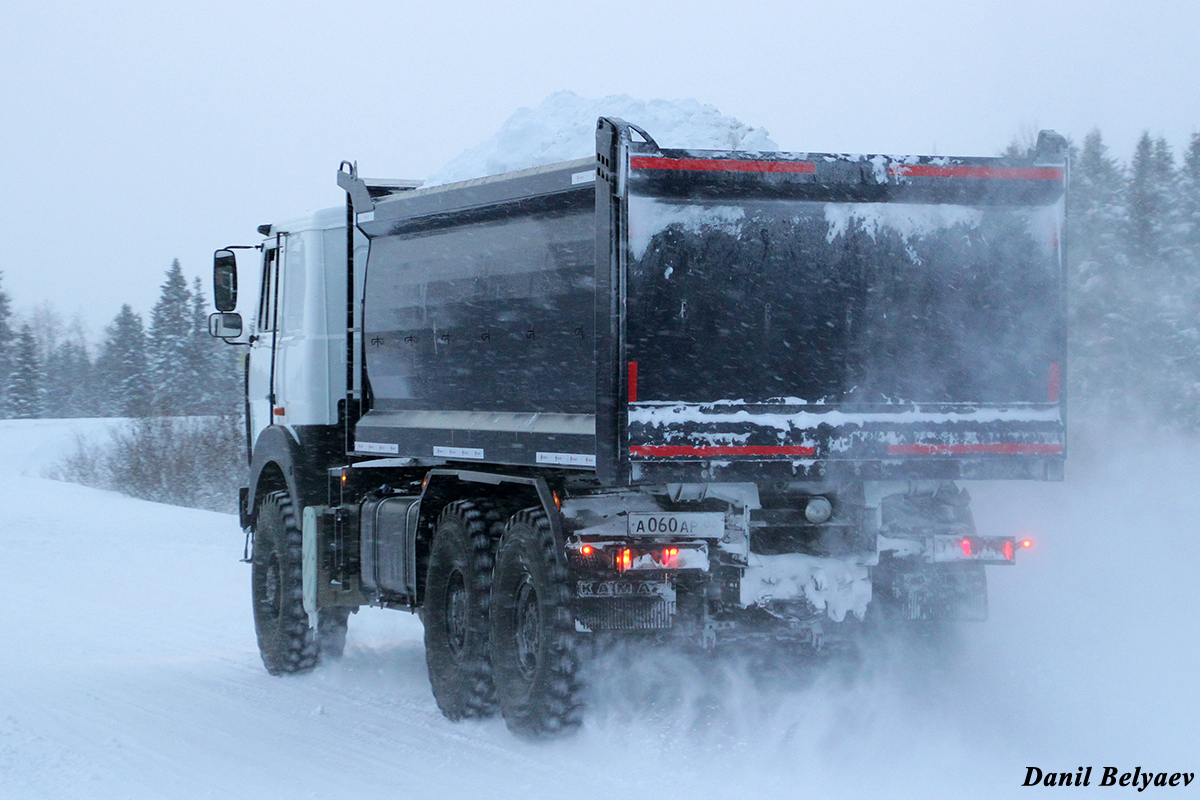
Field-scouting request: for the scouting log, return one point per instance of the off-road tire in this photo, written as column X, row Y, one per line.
column 332, row 624
column 534, row 661
column 287, row 643
column 458, row 591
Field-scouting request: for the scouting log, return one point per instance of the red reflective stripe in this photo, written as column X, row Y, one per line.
column 721, row 164
column 1011, row 173
column 1055, row 378
column 669, row 450
column 633, row 381
column 1001, row 448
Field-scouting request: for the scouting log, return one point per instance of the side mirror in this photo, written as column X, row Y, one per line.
column 225, row 325
column 225, row 282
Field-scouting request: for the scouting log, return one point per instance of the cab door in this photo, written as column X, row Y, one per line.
column 263, row 343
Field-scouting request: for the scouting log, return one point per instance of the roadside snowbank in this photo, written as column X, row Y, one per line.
column 32, row 447
column 563, row 127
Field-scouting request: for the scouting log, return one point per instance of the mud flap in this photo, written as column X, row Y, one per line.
column 308, row 530
column 956, row 593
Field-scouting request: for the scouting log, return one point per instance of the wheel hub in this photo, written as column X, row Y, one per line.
column 529, row 637
column 271, row 594
column 456, row 612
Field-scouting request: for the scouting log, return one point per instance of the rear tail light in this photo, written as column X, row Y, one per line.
column 682, row 556
column 624, row 559
column 982, row 549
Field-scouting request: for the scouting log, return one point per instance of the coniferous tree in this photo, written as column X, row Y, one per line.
column 24, row 396
column 68, row 382
column 217, row 363
column 170, row 345
column 1189, row 199
column 1173, row 272
column 1098, row 272
column 125, row 381
column 1150, row 172
column 1164, row 354
column 203, row 356
column 6, row 341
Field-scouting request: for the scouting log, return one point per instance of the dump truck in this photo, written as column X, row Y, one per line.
column 709, row 397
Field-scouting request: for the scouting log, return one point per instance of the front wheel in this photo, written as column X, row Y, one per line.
column 534, row 663
column 286, row 641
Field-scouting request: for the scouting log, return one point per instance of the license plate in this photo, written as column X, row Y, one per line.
column 695, row 525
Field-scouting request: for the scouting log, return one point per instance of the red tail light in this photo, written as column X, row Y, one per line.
column 624, row 559
column 1008, row 550
column 965, row 544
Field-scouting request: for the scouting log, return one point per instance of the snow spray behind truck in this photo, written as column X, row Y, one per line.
column 659, row 393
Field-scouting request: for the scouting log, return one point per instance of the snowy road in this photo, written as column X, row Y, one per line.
column 128, row 669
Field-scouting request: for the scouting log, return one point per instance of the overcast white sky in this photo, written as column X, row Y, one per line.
column 132, row 133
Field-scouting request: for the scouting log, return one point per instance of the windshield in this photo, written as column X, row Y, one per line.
column 847, row 303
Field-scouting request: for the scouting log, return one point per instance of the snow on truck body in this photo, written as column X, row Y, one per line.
column 697, row 394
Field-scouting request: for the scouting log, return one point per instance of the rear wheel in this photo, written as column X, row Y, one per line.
column 533, row 631
column 286, row 642
column 458, row 588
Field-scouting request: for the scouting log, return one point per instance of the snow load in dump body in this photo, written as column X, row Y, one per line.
column 722, row 315
column 563, row 127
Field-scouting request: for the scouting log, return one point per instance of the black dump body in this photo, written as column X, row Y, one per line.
column 668, row 315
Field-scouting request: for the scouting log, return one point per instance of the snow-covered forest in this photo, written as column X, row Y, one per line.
column 170, row 367
column 180, row 390
column 1134, row 267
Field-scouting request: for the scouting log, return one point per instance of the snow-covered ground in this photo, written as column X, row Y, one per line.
column 128, row 667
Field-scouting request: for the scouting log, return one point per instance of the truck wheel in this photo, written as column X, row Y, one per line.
column 286, row 642
column 332, row 624
column 458, row 588
column 533, row 631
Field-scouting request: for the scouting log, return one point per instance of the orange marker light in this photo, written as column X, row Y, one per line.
column 1027, row 543
column 587, row 550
